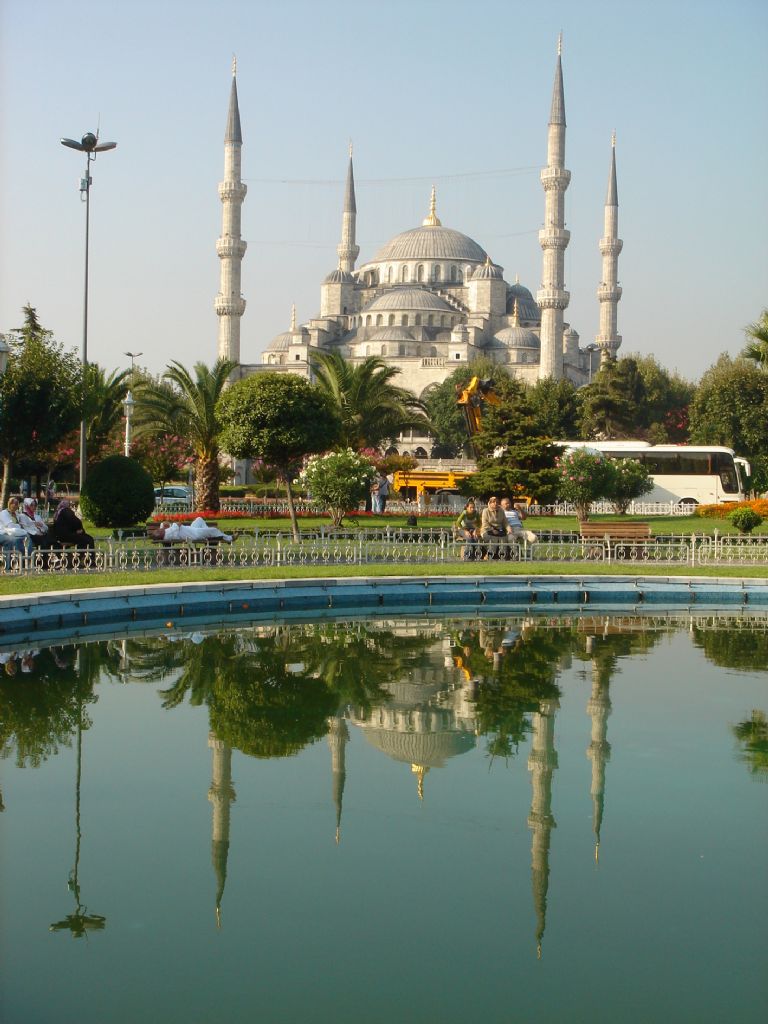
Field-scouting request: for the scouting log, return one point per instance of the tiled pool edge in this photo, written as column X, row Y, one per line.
column 24, row 615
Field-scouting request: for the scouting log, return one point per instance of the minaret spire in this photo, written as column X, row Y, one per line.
column 432, row 221
column 229, row 303
column 347, row 249
column 542, row 762
column 222, row 795
column 553, row 237
column 599, row 750
column 338, row 736
column 609, row 290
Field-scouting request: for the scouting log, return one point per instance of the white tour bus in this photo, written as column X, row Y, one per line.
column 684, row 474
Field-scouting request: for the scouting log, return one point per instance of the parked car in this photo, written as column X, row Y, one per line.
column 172, row 495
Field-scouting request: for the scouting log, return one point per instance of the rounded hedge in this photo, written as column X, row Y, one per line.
column 117, row 492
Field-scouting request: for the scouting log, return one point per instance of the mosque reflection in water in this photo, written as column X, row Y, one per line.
column 421, row 692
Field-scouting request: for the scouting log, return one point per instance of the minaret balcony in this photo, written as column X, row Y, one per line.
column 609, row 293
column 231, row 248
column 555, row 178
column 611, row 246
column 230, row 191
column 552, row 298
column 229, row 306
column 554, row 238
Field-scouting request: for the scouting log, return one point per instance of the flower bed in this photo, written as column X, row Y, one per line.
column 759, row 505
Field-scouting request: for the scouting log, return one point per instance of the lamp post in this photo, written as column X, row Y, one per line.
column 591, row 349
column 4, row 353
column 133, row 356
column 90, row 145
column 128, row 404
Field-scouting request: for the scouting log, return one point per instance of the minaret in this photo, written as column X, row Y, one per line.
column 553, row 237
column 347, row 249
column 609, row 292
column 221, row 794
column 338, row 735
column 229, row 303
column 599, row 749
column 541, row 764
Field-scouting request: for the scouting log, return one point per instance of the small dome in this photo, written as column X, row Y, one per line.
column 406, row 299
column 428, row 749
column 487, row 272
column 517, row 337
column 431, row 242
column 392, row 334
column 281, row 343
column 527, row 307
column 571, row 334
column 339, row 276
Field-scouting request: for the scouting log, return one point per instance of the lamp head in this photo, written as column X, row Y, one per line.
column 88, row 142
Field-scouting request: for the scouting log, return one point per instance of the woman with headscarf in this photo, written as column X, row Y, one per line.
column 34, row 525
column 68, row 527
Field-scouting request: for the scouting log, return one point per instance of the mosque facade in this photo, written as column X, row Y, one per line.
column 432, row 299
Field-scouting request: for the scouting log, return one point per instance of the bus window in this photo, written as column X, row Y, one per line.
column 722, row 464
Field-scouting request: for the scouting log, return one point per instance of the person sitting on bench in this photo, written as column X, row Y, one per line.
column 495, row 530
column 197, row 530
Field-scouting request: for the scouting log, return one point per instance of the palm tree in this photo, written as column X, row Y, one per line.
column 372, row 409
column 104, row 397
column 757, row 345
column 185, row 406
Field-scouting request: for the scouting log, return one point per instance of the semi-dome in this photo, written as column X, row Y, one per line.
column 391, row 334
column 281, row 343
column 407, row 299
column 517, row 337
column 432, row 242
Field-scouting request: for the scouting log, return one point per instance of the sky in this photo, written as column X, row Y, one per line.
column 448, row 93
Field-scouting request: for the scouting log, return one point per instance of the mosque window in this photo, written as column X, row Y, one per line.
column 457, row 355
column 436, row 273
column 404, row 273
column 401, row 350
column 404, row 320
column 417, row 319
column 297, row 357
column 368, row 321
column 454, row 274
column 389, row 275
column 379, row 320
column 430, row 320
column 420, row 272
column 391, row 320
column 383, row 350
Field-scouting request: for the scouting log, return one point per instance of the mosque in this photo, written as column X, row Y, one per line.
column 431, row 299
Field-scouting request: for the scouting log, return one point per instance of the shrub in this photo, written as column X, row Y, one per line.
column 744, row 519
column 117, row 492
column 631, row 480
column 584, row 476
column 338, row 481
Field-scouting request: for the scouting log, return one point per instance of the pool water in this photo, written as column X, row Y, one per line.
column 411, row 820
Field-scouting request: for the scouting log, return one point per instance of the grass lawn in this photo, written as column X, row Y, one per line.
column 45, row 584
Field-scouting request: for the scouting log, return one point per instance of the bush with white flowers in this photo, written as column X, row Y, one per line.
column 337, row 482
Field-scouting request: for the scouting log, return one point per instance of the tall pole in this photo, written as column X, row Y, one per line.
column 90, row 145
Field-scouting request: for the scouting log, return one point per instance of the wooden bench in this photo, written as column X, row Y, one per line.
column 629, row 537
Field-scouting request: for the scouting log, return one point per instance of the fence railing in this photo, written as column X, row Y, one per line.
column 429, row 546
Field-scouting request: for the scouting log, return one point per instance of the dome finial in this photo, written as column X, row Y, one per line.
column 613, row 139
column 234, row 65
column 350, row 149
column 293, row 316
column 432, row 221
column 560, row 44
column 515, row 315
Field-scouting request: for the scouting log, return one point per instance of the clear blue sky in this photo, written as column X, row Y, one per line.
column 445, row 92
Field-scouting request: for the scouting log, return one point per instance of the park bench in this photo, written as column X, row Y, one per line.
column 629, row 538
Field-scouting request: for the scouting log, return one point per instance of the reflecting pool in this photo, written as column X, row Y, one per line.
column 416, row 820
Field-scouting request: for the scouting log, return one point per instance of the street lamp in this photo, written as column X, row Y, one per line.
column 4, row 353
column 90, row 145
column 591, row 348
column 128, row 404
column 132, row 356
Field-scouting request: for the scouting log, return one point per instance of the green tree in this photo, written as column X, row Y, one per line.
column 447, row 421
column 40, row 396
column 370, row 407
column 183, row 405
column 613, row 403
column 514, row 456
column 557, row 407
column 730, row 407
column 584, row 476
column 630, row 480
column 663, row 415
column 757, row 341
column 752, row 735
column 104, row 395
column 278, row 418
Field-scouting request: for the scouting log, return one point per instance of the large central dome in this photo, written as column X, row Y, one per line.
column 431, row 243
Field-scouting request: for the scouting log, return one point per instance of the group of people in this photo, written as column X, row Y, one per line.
column 380, row 490
column 23, row 529
column 495, row 532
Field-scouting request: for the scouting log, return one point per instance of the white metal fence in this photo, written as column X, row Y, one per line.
column 429, row 546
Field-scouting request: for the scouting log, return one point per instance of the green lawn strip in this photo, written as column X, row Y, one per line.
column 44, row 584
column 660, row 525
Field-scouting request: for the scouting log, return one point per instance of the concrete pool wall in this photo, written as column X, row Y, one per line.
column 78, row 613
